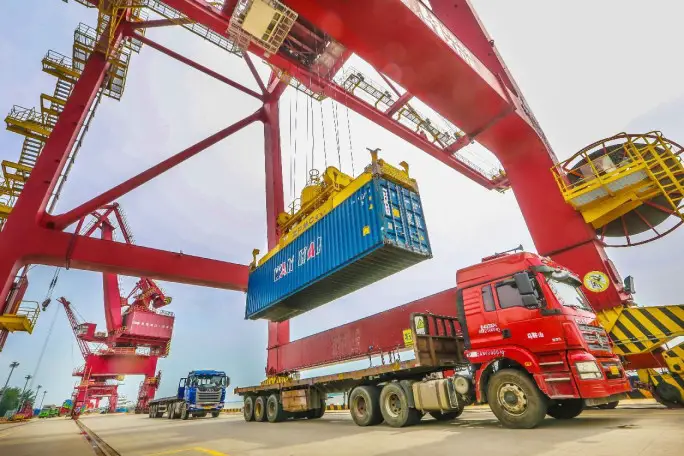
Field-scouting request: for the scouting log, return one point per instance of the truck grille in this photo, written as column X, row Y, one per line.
column 208, row 397
column 595, row 337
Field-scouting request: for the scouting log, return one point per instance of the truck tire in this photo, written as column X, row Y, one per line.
column 248, row 408
column 364, row 405
column 184, row 415
column 608, row 406
column 260, row 409
column 150, row 413
column 157, row 413
column 394, row 406
column 515, row 399
column 314, row 414
column 446, row 416
column 171, row 411
column 215, row 414
column 274, row 409
column 566, row 409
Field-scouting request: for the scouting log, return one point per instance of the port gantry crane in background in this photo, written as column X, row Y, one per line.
column 137, row 332
column 619, row 188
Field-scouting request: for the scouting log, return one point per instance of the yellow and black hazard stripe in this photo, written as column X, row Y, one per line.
column 639, row 394
column 336, row 407
column 674, row 358
column 641, row 329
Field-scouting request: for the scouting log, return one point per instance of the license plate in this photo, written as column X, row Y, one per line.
column 208, row 406
column 614, row 370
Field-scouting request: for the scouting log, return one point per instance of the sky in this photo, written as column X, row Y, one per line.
column 588, row 70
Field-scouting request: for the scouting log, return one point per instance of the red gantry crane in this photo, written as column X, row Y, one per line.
column 137, row 332
column 437, row 52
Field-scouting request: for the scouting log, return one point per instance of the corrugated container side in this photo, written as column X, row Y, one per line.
column 147, row 324
column 377, row 231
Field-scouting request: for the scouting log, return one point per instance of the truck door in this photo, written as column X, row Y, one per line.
column 480, row 316
column 181, row 389
column 520, row 325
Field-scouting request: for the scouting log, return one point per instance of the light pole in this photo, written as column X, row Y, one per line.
column 13, row 365
column 37, row 392
column 42, row 399
column 28, row 377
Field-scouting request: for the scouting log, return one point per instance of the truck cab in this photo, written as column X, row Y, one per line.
column 525, row 312
column 203, row 391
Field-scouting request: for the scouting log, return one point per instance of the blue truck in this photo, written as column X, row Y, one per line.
column 200, row 393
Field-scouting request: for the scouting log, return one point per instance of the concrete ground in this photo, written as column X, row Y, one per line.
column 644, row 429
column 54, row 436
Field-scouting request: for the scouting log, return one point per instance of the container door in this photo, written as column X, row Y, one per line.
column 403, row 217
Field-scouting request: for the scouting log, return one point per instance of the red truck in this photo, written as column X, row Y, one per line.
column 522, row 338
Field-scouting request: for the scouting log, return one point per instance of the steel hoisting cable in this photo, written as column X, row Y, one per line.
column 306, row 153
column 44, row 349
column 337, row 134
column 351, row 150
column 325, row 151
column 294, row 154
column 290, row 139
column 313, row 135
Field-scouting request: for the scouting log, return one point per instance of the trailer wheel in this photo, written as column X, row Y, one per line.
column 515, row 399
column 608, row 406
column 171, row 411
column 394, row 406
column 446, row 416
column 157, row 413
column 150, row 413
column 274, row 409
column 566, row 409
column 184, row 415
column 248, row 408
column 260, row 409
column 364, row 405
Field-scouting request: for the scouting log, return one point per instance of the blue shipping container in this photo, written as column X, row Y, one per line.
column 377, row 231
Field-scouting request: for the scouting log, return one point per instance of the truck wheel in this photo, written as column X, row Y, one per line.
column 157, row 413
column 394, row 406
column 608, row 406
column 150, row 413
column 364, row 405
column 248, row 408
column 215, row 414
column 184, row 412
column 260, row 409
column 515, row 399
column 274, row 409
column 446, row 416
column 171, row 411
column 566, row 409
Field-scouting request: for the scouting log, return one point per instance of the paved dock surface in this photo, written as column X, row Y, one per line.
column 54, row 436
column 631, row 430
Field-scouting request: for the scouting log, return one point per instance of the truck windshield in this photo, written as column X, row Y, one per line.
column 214, row 380
column 568, row 294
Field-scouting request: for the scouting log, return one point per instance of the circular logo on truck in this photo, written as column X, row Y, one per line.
column 596, row 281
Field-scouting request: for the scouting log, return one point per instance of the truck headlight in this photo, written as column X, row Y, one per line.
column 588, row 370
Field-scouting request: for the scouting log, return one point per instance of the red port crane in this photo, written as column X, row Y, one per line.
column 439, row 53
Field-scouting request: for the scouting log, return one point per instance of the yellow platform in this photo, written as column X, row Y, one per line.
column 24, row 320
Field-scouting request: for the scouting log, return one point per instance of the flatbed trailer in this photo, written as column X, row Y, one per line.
column 436, row 350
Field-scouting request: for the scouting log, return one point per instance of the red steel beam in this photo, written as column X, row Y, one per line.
column 64, row 220
column 400, row 103
column 20, row 230
column 379, row 333
column 197, row 66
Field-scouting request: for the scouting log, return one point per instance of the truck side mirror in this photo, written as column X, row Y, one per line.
column 182, row 382
column 523, row 283
column 629, row 285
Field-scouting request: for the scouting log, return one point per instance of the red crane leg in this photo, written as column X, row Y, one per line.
column 110, row 283
column 278, row 333
column 19, row 232
column 379, row 333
